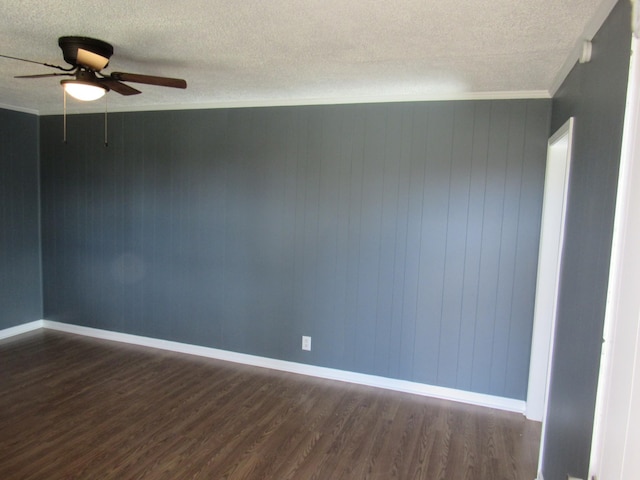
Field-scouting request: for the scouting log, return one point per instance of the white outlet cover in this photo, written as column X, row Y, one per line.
column 306, row 343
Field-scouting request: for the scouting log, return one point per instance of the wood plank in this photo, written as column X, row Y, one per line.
column 74, row 407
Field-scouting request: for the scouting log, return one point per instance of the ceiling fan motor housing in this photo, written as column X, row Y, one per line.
column 70, row 46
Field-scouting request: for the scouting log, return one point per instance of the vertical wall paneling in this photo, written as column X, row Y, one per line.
column 513, row 151
column 399, row 230
column 401, row 237
column 385, row 329
column 527, row 237
column 413, row 231
column 434, row 220
column 595, row 94
column 456, row 235
column 473, row 244
column 20, row 275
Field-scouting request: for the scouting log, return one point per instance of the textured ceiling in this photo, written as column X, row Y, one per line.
column 234, row 52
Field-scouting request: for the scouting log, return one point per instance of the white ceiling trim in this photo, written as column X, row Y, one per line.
column 99, row 107
column 19, row 109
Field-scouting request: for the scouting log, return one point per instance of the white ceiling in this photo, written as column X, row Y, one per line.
column 260, row 52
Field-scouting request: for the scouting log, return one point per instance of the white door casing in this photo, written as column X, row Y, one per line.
column 616, row 431
column 556, row 191
column 554, row 206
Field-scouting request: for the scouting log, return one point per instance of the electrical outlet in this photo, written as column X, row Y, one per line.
column 306, row 343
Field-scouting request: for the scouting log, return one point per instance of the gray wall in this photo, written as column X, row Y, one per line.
column 595, row 93
column 402, row 237
column 20, row 279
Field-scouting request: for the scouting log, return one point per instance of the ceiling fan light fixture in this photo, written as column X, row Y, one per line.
column 85, row 91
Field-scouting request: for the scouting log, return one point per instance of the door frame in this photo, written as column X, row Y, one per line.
column 554, row 207
column 616, row 429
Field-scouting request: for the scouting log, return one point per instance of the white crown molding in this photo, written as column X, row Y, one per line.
column 291, row 102
column 19, row 109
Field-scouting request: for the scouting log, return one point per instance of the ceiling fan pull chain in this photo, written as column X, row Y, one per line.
column 106, row 143
column 64, row 116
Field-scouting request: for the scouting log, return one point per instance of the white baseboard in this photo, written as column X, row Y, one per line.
column 20, row 329
column 490, row 401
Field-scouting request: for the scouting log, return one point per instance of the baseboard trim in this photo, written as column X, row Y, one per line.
column 20, row 329
column 479, row 399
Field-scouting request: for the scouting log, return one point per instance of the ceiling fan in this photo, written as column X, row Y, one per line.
column 88, row 57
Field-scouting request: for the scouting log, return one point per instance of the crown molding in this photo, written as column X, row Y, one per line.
column 291, row 102
column 19, row 109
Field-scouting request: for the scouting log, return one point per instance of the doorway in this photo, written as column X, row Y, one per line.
column 554, row 205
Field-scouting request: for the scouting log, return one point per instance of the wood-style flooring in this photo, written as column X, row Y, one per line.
column 80, row 408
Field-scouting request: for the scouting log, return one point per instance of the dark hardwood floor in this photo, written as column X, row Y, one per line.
column 79, row 408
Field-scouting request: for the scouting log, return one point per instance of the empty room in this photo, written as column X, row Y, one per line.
column 318, row 240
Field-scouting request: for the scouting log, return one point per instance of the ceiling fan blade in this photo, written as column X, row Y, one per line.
column 39, row 63
column 44, row 75
column 118, row 87
column 149, row 79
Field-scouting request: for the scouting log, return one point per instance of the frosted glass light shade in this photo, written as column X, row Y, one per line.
column 83, row 91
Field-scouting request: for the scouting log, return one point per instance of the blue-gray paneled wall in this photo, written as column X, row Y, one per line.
column 402, row 237
column 20, row 278
column 595, row 93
